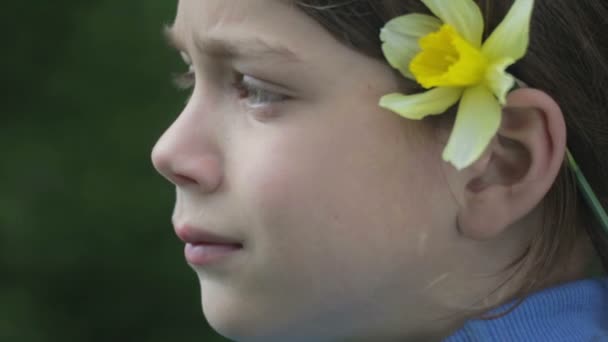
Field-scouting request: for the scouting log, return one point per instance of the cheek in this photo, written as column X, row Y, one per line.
column 332, row 213
column 345, row 197
column 283, row 179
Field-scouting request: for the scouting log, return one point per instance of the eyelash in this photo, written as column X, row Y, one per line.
column 247, row 88
column 254, row 91
column 184, row 81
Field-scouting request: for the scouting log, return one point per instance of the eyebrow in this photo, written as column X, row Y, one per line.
column 231, row 49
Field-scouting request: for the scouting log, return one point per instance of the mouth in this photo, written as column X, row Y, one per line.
column 204, row 247
column 206, row 254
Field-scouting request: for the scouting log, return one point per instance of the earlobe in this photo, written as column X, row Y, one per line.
column 518, row 168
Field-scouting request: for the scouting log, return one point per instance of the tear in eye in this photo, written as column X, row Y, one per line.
column 184, row 80
column 256, row 92
column 186, row 58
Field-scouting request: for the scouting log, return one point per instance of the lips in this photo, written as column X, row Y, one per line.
column 196, row 236
column 203, row 247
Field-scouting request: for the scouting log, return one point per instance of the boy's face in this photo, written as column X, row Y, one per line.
column 335, row 200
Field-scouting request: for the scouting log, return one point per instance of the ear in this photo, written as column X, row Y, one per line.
column 518, row 168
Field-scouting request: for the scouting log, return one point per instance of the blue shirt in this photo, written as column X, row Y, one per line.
column 576, row 311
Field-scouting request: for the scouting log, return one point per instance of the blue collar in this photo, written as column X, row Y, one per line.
column 576, row 311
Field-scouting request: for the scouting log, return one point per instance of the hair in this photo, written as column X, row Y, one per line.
column 568, row 59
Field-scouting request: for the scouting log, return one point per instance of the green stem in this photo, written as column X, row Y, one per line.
column 588, row 193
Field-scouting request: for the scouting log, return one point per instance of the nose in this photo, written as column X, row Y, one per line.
column 187, row 156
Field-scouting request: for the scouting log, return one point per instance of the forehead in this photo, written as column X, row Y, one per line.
column 213, row 12
column 270, row 19
column 278, row 23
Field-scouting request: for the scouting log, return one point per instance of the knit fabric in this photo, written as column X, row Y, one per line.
column 572, row 312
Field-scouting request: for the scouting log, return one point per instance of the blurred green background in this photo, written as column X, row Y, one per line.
column 87, row 252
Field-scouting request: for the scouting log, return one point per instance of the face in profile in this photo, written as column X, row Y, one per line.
column 321, row 204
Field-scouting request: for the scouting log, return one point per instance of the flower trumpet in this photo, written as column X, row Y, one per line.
column 445, row 54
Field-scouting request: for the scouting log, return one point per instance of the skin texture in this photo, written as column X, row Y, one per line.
column 347, row 214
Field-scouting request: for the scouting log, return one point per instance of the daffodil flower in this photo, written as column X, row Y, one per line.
column 446, row 55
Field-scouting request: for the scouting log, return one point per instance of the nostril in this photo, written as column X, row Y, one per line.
column 181, row 180
column 165, row 164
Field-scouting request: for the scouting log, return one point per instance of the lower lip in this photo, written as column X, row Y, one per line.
column 204, row 254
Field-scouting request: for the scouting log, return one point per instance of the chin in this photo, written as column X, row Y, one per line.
column 242, row 329
column 242, row 316
column 239, row 322
column 235, row 318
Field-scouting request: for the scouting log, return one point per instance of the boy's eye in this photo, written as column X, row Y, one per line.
column 186, row 58
column 257, row 93
column 184, row 80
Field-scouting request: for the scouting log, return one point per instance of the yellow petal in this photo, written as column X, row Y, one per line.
column 499, row 81
column 400, row 39
column 448, row 60
column 477, row 122
column 417, row 106
column 464, row 15
column 511, row 37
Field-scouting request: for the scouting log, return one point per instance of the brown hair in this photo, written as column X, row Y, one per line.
column 568, row 59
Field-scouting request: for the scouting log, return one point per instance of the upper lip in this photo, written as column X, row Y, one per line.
column 195, row 235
